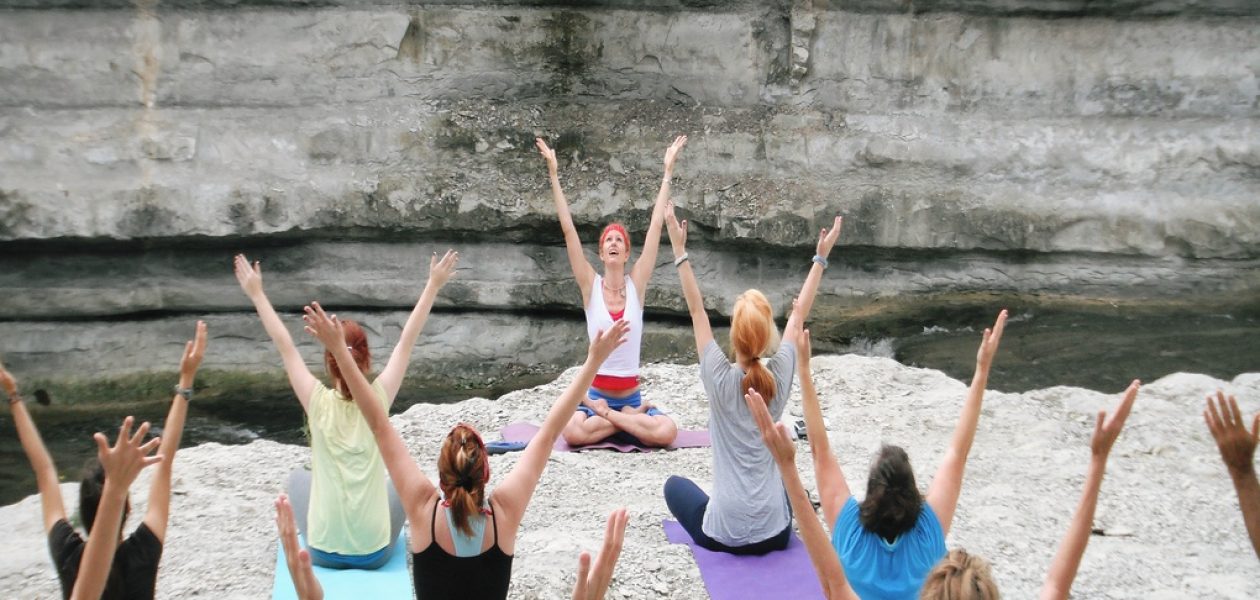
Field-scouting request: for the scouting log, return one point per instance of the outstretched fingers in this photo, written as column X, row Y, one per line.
column 1108, row 429
column 614, row 336
column 998, row 327
column 1126, row 405
column 584, row 570
column 761, row 415
column 604, row 564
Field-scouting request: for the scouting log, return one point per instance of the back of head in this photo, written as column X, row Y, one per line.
column 960, row 576
column 356, row 340
column 752, row 333
column 463, row 470
column 90, row 490
column 892, row 502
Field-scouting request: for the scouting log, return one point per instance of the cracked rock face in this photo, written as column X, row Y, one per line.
column 973, row 148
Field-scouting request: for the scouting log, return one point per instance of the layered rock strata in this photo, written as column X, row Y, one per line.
column 975, row 148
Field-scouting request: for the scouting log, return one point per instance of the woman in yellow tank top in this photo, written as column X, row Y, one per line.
column 347, row 509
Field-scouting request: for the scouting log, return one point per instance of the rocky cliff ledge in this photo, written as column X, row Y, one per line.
column 1054, row 153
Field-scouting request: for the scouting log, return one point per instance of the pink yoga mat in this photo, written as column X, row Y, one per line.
column 785, row 573
column 522, row 431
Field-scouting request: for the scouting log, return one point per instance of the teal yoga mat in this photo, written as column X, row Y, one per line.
column 390, row 582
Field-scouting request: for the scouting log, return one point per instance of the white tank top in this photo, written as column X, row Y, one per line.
column 624, row 361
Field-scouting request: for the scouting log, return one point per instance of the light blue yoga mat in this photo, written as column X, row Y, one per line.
column 390, row 582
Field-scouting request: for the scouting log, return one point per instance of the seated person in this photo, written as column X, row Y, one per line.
column 119, row 568
column 613, row 405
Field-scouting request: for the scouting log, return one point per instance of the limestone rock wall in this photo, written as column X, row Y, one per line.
column 1054, row 152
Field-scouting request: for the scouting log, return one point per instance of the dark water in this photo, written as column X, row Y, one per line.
column 1040, row 349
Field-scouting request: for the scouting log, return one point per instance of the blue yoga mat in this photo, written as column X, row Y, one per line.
column 784, row 573
column 390, row 582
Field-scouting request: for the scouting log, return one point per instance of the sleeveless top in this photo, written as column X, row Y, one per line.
column 438, row 576
column 349, row 505
column 624, row 361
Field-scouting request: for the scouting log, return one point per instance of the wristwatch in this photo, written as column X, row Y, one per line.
column 185, row 392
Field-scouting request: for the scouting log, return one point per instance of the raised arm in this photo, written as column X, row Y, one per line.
column 805, row 300
column 1068, row 559
column 41, row 461
column 826, row 562
column 300, row 377
column 583, row 272
column 297, row 558
column 691, row 288
column 440, row 272
column 641, row 273
column 514, row 493
column 122, row 464
column 1238, row 449
column 414, row 487
column 158, row 513
column 947, row 484
column 833, row 490
column 592, row 583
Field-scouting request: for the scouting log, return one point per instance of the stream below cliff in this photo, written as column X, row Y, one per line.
column 1041, row 348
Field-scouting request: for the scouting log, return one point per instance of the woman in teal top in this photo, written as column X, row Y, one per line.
column 883, row 568
column 890, row 540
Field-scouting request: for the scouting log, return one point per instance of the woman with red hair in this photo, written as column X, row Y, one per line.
column 748, row 512
column 350, row 513
column 614, row 405
column 462, row 535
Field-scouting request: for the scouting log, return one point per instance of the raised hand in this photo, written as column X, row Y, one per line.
column 328, row 330
column 128, row 456
column 441, row 270
column 593, row 578
column 548, row 155
column 803, row 351
column 775, row 435
column 607, row 341
column 1107, row 430
column 989, row 343
column 8, row 382
column 671, row 153
column 827, row 238
column 1229, row 429
column 677, row 230
column 297, row 558
column 249, row 276
column 194, row 351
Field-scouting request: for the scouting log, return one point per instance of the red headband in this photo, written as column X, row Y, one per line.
column 611, row 227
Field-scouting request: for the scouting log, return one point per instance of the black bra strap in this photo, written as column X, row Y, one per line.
column 433, row 522
column 493, row 521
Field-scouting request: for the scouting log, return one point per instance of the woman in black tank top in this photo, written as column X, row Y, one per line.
column 463, row 470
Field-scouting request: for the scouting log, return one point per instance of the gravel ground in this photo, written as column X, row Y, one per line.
column 1168, row 509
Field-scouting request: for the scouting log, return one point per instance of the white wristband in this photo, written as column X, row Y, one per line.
column 680, row 259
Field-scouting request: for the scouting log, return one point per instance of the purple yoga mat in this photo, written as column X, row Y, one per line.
column 522, row 431
column 782, row 574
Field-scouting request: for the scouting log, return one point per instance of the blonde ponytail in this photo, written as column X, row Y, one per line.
column 960, row 576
